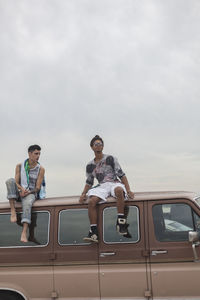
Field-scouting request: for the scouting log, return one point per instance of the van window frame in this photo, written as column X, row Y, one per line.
column 192, row 218
column 30, row 246
column 123, row 242
column 59, row 222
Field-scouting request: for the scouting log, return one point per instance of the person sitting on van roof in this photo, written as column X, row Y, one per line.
column 25, row 188
column 112, row 182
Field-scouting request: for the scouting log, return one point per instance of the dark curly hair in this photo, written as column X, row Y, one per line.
column 97, row 137
column 33, row 148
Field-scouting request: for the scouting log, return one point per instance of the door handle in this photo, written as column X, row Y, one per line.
column 155, row 252
column 103, row 254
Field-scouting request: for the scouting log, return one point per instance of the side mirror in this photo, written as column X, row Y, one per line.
column 195, row 240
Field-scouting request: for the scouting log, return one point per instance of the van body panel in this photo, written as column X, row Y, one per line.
column 23, row 254
column 156, row 262
column 174, row 272
column 76, row 265
column 123, row 265
column 23, row 268
column 77, row 253
column 183, row 284
column 123, row 281
column 81, row 281
column 33, row 282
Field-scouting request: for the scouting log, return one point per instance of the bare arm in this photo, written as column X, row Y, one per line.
column 39, row 180
column 124, row 180
column 17, row 176
column 22, row 191
column 83, row 195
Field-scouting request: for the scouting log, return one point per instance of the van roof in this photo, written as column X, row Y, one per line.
column 139, row 196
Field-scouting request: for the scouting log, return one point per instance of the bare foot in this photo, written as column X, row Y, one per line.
column 23, row 238
column 13, row 218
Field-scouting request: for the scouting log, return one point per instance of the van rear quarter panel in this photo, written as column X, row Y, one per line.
column 28, row 270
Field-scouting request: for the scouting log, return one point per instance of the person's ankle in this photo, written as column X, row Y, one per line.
column 93, row 228
column 121, row 216
column 13, row 217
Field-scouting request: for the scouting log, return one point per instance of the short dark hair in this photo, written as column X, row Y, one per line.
column 97, row 137
column 33, row 148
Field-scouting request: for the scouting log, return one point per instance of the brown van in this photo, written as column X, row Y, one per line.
column 160, row 259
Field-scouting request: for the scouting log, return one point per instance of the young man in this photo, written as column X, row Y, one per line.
column 112, row 182
column 25, row 187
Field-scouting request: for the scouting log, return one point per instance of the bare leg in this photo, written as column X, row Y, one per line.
column 27, row 203
column 92, row 209
column 13, row 217
column 24, row 233
column 121, row 226
column 92, row 214
column 120, row 199
column 31, row 237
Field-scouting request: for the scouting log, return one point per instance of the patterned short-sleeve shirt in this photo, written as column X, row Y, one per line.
column 106, row 170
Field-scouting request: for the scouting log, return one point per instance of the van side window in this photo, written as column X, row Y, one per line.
column 73, row 226
column 172, row 222
column 109, row 226
column 38, row 234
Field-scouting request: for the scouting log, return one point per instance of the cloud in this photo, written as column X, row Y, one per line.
column 127, row 70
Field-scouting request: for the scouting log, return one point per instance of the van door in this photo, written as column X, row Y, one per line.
column 123, row 260
column 76, row 262
column 174, row 272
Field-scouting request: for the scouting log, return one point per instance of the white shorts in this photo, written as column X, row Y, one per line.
column 104, row 190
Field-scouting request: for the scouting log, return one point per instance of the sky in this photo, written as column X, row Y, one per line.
column 127, row 70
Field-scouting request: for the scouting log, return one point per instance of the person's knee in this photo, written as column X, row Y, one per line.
column 119, row 192
column 93, row 201
column 10, row 181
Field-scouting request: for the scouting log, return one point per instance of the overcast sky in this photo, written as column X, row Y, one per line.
column 127, row 70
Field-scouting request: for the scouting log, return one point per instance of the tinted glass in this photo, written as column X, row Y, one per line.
column 110, row 235
column 172, row 221
column 73, row 226
column 38, row 233
column 197, row 222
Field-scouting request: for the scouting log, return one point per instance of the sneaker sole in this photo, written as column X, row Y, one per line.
column 87, row 239
column 122, row 233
